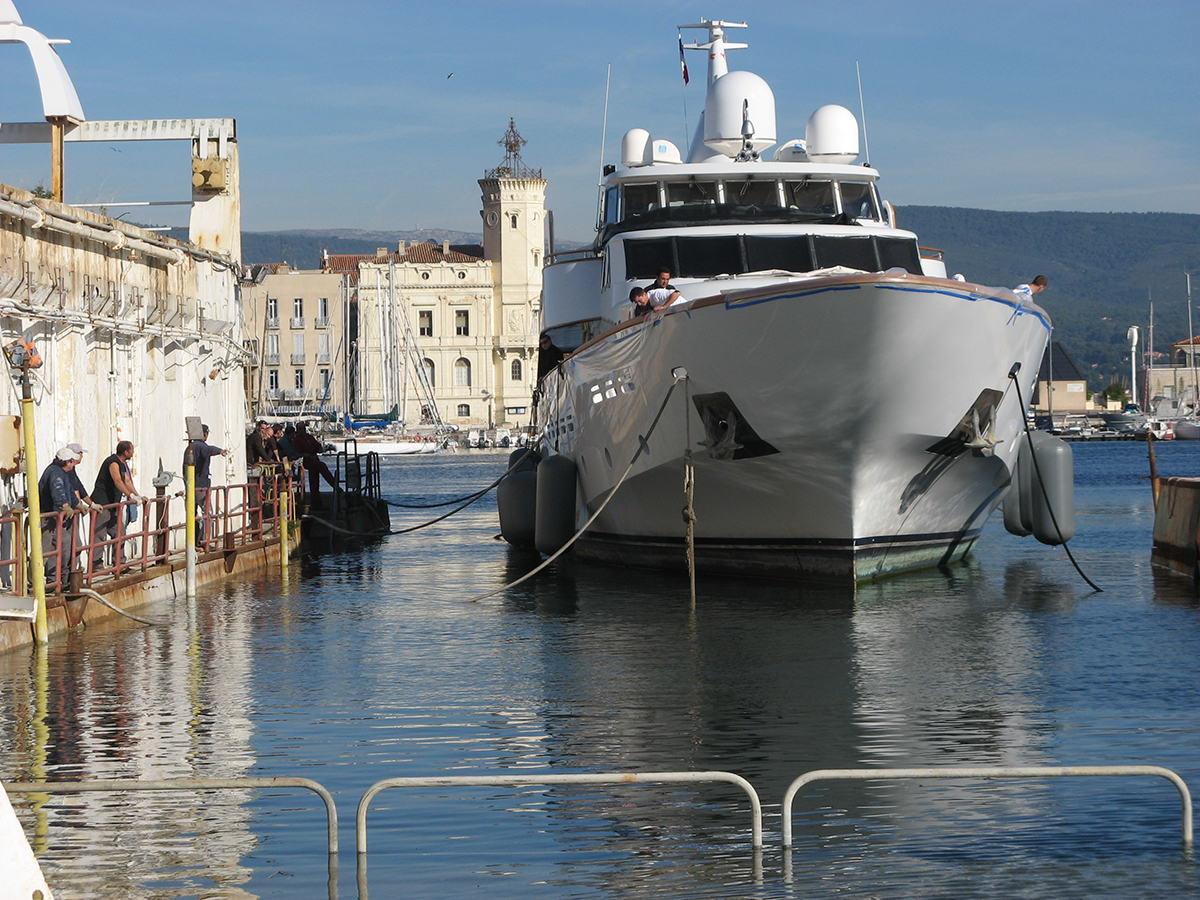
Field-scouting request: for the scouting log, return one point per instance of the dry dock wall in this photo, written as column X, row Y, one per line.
column 136, row 331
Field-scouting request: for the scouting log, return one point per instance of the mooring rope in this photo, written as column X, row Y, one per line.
column 689, row 488
column 642, row 444
column 1038, row 471
column 384, row 532
column 477, row 494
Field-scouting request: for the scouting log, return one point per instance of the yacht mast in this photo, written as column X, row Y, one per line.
column 716, row 45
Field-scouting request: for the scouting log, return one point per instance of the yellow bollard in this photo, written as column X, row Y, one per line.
column 283, row 525
column 189, row 530
column 37, row 572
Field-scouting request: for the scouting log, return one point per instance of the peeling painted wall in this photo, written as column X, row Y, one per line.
column 136, row 332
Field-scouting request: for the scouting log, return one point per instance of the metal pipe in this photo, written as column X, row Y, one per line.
column 189, row 531
column 1185, row 796
column 534, row 779
column 33, row 501
column 188, row 784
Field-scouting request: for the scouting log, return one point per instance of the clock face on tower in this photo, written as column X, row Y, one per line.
column 492, row 219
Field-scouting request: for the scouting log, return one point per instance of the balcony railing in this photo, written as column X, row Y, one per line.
column 270, row 359
column 297, row 322
column 323, row 357
column 272, row 321
column 321, row 322
column 274, row 393
column 298, row 359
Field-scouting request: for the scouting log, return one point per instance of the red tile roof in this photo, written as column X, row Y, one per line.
column 416, row 253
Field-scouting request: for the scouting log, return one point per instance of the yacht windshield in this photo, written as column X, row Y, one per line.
column 752, row 194
column 691, row 193
column 640, row 199
column 858, row 200
column 811, row 197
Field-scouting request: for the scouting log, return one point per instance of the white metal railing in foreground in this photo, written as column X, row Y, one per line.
column 534, row 779
column 187, row 784
column 987, row 772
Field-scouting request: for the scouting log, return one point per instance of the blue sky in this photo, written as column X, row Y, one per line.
column 347, row 119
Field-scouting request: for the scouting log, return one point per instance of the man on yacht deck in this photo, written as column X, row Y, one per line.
column 662, row 292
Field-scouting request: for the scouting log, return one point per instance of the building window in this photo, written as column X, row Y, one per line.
column 516, row 370
column 326, row 378
column 299, row 379
column 513, row 219
column 273, row 379
column 425, row 322
column 462, row 276
column 272, row 312
column 462, row 323
column 424, row 276
column 464, row 410
column 428, row 363
column 323, row 307
column 462, row 373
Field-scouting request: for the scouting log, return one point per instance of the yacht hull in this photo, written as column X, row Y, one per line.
column 845, row 427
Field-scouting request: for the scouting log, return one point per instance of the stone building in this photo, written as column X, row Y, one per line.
column 295, row 324
column 447, row 336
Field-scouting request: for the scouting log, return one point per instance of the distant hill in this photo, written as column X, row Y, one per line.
column 1102, row 267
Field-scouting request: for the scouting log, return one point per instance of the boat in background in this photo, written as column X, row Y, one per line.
column 852, row 411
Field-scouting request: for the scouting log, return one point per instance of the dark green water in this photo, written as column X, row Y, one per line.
column 367, row 665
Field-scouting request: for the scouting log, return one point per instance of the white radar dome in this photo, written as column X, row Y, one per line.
column 635, row 148
column 733, row 100
column 831, row 135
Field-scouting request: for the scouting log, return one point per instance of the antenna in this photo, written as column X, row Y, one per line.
column 603, row 136
column 863, row 109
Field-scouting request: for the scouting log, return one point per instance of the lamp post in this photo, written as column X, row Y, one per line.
column 487, row 399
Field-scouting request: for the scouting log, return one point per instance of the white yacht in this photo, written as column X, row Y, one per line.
column 852, row 411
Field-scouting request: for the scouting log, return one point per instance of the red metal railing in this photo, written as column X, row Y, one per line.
column 148, row 532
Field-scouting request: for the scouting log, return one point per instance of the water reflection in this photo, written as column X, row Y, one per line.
column 367, row 665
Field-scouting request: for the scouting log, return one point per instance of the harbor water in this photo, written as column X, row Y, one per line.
column 369, row 663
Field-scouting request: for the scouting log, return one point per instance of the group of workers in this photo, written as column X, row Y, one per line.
column 61, row 490
column 273, row 446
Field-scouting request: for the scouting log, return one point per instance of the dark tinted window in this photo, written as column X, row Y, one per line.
column 854, row 253
column 792, row 254
column 901, row 253
column 703, row 257
column 643, row 258
column 640, row 198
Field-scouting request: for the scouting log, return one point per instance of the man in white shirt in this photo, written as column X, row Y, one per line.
column 662, row 292
column 1034, row 287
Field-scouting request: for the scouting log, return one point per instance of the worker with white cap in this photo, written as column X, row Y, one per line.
column 58, row 495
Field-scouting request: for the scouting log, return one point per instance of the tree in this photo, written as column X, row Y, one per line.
column 1116, row 391
column 42, row 191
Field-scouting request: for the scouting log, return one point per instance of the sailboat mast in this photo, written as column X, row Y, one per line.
column 1149, row 351
column 1191, row 341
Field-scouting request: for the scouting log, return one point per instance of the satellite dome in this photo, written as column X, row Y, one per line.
column 635, row 148
column 735, row 99
column 831, row 135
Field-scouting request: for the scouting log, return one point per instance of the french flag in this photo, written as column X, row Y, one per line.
column 682, row 61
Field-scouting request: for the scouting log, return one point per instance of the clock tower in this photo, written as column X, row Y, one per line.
column 514, row 206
